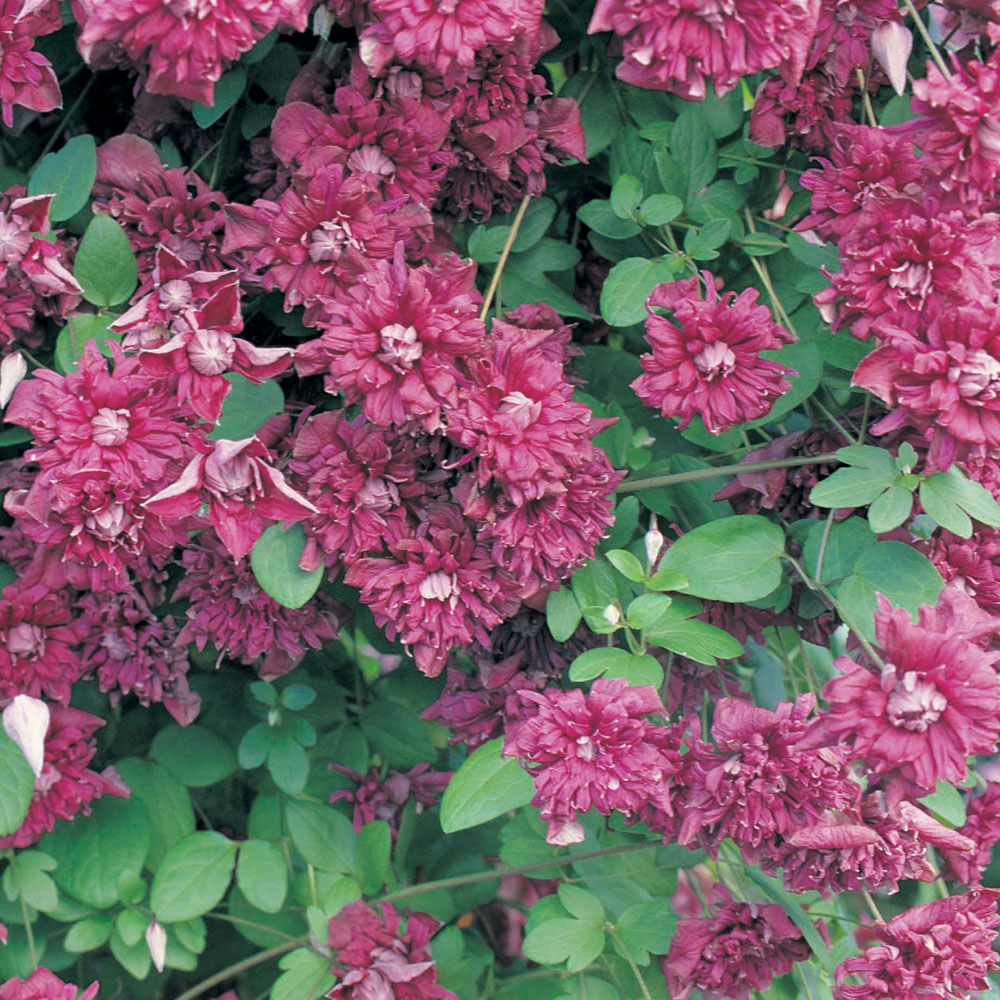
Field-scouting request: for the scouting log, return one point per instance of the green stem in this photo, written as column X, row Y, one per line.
column 870, row 903
column 634, row 485
column 458, row 880
column 631, row 962
column 823, row 542
column 65, row 120
column 928, row 41
column 504, row 254
column 240, row 922
column 232, row 971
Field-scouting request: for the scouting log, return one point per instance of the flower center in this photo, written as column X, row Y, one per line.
column 110, row 427
column 109, row 522
column 25, row 640
column 978, row 375
column 232, row 476
column 329, row 240
column 585, row 748
column 523, row 409
column 378, row 495
column 716, row 360
column 245, row 592
column 371, row 160
column 913, row 279
column 14, row 240
column 447, row 6
column 401, row 347
column 211, row 352
column 439, row 586
column 915, row 703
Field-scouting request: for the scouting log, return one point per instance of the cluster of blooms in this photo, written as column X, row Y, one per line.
column 44, row 985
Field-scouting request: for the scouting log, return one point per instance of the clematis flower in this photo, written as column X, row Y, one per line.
column 437, row 588
column 982, row 827
column 242, row 489
column 26, row 76
column 740, row 948
column 395, row 338
column 806, row 115
column 182, row 44
column 45, row 985
column 376, row 959
column 939, row 948
column 762, row 781
column 935, row 703
column 676, row 46
column 706, row 359
column 66, row 787
column 593, row 749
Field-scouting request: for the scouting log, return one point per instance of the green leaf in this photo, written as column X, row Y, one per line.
column 647, row 610
column 288, row 764
column 105, row 265
column 594, row 662
column 261, row 875
column 194, row 755
column 323, row 836
column 702, row 243
column 306, row 977
column 761, row 244
column 131, row 926
column 667, row 579
column 599, row 216
column 660, row 209
column 296, row 697
column 17, row 782
column 852, row 487
column 247, row 407
column 255, row 746
column 626, row 564
column 88, row 934
column 626, row 193
column 93, row 852
column 946, row 804
column 166, row 800
column 628, row 285
column 648, row 926
column 562, row 614
column 637, row 671
column 866, row 456
column 564, row 940
column 732, row 559
column 581, row 903
column 274, row 560
column 134, row 959
column 692, row 146
column 193, row 877
column 228, row 90
column 77, row 333
column 26, row 877
column 69, row 174
column 890, row 509
column 371, row 855
column 825, row 255
column 394, row 732
column 845, row 542
column 697, row 640
column 951, row 499
column 487, row 785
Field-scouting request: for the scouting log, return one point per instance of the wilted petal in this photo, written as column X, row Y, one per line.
column 891, row 46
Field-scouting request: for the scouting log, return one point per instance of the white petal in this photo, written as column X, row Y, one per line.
column 13, row 368
column 156, row 941
column 26, row 721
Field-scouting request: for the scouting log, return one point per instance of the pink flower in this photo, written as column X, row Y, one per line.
column 970, row 564
column 947, row 383
column 436, row 589
column 982, row 827
column 447, row 36
column 739, row 948
column 185, row 45
column 395, row 338
column 160, row 206
column 706, row 360
column 375, row 960
column 593, row 749
column 807, row 115
column 844, row 36
column 393, row 145
column 762, row 781
column 907, row 261
column 242, row 489
column 357, row 476
column 957, row 133
column 939, row 948
column 323, row 231
column 38, row 640
column 229, row 610
column 519, row 420
column 44, row 985
column 131, row 650
column 26, row 76
column 865, row 164
column 65, row 787
column 383, row 797
column 678, row 46
column 936, row 702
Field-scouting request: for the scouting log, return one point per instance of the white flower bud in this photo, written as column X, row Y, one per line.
column 654, row 542
column 612, row 615
column 26, row 722
column 891, row 46
column 156, row 942
column 13, row 368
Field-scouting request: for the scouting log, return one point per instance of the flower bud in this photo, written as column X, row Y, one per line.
column 156, row 942
column 26, row 722
column 13, row 368
column 891, row 46
column 654, row 542
column 612, row 615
